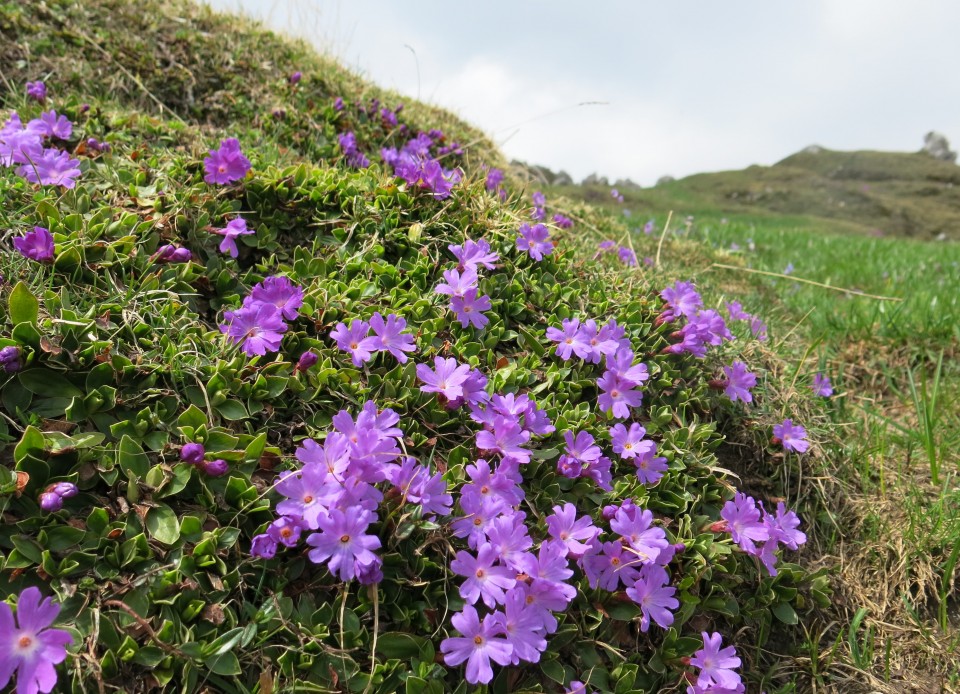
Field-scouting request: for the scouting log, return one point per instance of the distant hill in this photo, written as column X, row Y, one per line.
column 888, row 193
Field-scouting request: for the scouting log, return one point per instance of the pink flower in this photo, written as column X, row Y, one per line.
column 227, row 164
column 29, row 646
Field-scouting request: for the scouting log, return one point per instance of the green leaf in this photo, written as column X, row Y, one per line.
column 23, row 305
column 232, row 410
column 224, row 664
column 131, row 458
column 162, row 524
column 32, row 442
column 786, row 614
column 397, row 645
column 50, row 384
column 193, row 417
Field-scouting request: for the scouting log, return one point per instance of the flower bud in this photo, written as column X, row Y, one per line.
column 216, row 468
column 192, row 453
column 181, row 255
column 10, row 358
column 51, row 501
column 295, row 77
column 64, row 490
column 307, row 359
column 263, row 547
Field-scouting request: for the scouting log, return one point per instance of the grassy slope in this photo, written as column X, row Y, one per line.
column 221, row 76
column 164, row 85
column 877, row 193
column 895, row 548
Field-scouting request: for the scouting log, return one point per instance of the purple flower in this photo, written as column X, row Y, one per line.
column 279, row 291
column 610, row 567
column 29, row 646
column 523, row 628
column 577, row 687
column 509, row 537
column 10, row 358
column 650, row 466
column 577, row 534
column 390, row 336
column 348, row 145
column 580, row 453
column 654, row 597
column 37, row 91
column 571, row 339
column 739, row 382
column 535, row 240
column 792, row 436
column 18, row 145
column 736, row 312
column 507, row 439
column 758, row 328
column 822, row 386
column 457, row 284
column 36, row 245
column 617, row 396
column 485, row 580
column 682, row 299
column 286, row 530
column 472, row 254
column 622, row 366
column 469, row 309
column 562, row 221
column 192, row 453
column 215, row 468
column 227, row 164
column 355, row 340
column 627, row 256
column 743, row 521
column 259, row 326
column 480, row 643
column 628, row 442
column 343, row 543
column 716, row 664
column 49, row 124
column 636, row 526
column 263, row 547
column 338, row 104
column 783, row 527
column 53, row 168
column 616, row 195
column 446, row 378
column 294, row 79
column 494, row 179
column 235, row 227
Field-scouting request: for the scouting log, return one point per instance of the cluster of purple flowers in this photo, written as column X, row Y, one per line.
column 348, row 145
column 462, row 283
column 616, row 195
column 172, row 254
column 36, row 245
column 621, row 378
column 260, row 322
column 757, row 327
column 195, row 454
column 454, row 383
column 630, row 444
column 52, row 498
column 539, row 212
column 28, row 646
column 226, row 164
column 24, row 146
column 415, row 164
column 388, row 336
column 704, row 327
column 332, row 499
column 759, row 533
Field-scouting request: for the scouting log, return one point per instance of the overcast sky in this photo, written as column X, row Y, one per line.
column 686, row 86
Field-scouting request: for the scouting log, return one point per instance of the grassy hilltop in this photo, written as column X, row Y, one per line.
column 189, row 559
